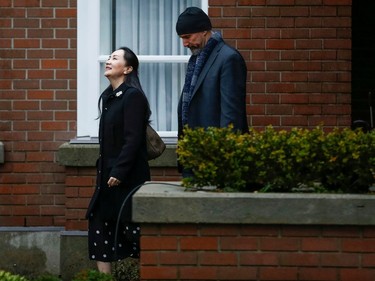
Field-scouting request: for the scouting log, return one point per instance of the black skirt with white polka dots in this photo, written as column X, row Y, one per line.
column 102, row 236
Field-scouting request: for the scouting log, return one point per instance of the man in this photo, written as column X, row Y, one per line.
column 214, row 93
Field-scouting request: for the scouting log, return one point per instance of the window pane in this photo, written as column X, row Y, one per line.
column 162, row 84
column 148, row 28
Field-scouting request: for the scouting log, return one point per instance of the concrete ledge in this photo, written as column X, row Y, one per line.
column 36, row 250
column 30, row 250
column 85, row 155
column 170, row 203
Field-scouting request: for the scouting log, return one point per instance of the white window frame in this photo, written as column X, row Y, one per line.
column 88, row 69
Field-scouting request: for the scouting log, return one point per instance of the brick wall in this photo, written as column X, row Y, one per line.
column 298, row 55
column 37, row 108
column 257, row 252
column 297, row 52
column 79, row 188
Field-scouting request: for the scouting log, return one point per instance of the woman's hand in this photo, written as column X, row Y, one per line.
column 113, row 182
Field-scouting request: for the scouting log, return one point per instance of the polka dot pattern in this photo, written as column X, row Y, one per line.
column 102, row 240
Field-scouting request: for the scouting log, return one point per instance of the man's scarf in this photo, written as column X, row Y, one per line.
column 194, row 68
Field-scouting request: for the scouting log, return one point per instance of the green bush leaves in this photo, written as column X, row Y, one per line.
column 278, row 160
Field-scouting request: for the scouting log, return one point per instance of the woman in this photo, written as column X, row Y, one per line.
column 122, row 165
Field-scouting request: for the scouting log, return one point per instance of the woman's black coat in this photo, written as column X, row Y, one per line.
column 123, row 153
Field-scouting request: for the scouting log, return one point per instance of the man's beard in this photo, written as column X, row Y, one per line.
column 195, row 51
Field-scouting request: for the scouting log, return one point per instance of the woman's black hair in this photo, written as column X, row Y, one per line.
column 132, row 79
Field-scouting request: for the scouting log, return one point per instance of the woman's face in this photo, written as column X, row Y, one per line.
column 115, row 66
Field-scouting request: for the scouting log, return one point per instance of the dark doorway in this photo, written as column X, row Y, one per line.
column 363, row 61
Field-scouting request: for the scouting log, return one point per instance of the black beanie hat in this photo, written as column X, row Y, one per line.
column 192, row 20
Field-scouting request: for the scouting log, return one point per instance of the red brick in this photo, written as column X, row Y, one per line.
column 320, row 244
column 369, row 232
column 149, row 258
column 307, row 110
column 25, row 23
column 236, row 273
column 76, row 203
column 26, row 84
column 279, row 244
column 219, row 259
column 178, row 258
column 66, row 13
column 26, row 43
column 80, row 181
column 158, row 273
column 40, row 115
column 294, row 121
column 11, row 221
column 299, row 259
column 274, row 273
column 76, row 225
column 198, row 273
column 351, row 274
column 38, row 94
column 12, row 12
column 265, row 77
column 74, row 214
column 198, row 243
column 26, row 210
column 25, row 105
column 279, row 110
column 358, row 245
column 323, row 274
column 53, row 210
column 368, row 260
column 39, row 221
column 265, row 121
column 39, row 156
column 54, row 126
column 54, row 105
column 340, row 260
column 220, row 230
column 260, row 230
column 54, row 64
column 55, row 43
column 280, row 88
column 258, row 258
column 160, row 243
column 278, row 44
column 40, row 74
column 179, row 230
column 12, row 74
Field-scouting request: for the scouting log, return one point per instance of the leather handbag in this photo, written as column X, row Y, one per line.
column 155, row 145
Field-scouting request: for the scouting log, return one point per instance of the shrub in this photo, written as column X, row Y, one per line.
column 92, row 275
column 46, row 277
column 7, row 276
column 285, row 159
column 126, row 270
column 216, row 156
column 271, row 160
column 349, row 161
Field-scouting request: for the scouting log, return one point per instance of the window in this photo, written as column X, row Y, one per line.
column 148, row 28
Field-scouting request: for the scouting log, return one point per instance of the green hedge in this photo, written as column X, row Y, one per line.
column 278, row 160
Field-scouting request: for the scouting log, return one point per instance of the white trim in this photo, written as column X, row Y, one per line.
column 88, row 13
column 164, row 59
